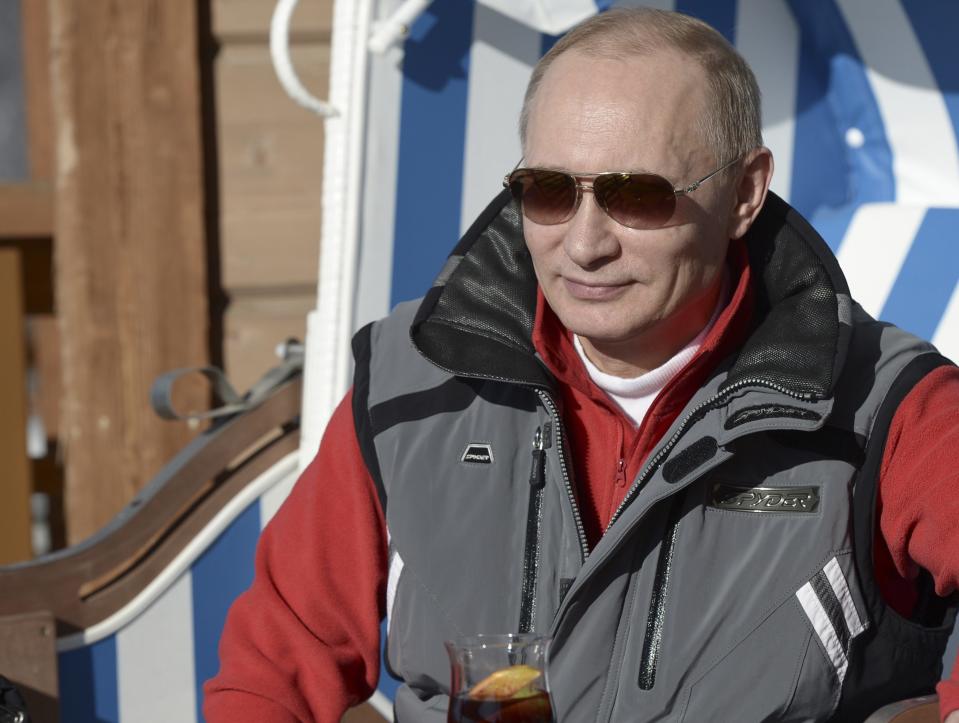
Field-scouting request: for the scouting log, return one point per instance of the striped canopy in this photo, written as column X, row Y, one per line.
column 861, row 111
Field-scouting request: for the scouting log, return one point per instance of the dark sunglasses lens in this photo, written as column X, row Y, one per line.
column 548, row 197
column 637, row 200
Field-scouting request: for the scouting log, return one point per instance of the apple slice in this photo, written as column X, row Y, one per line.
column 504, row 683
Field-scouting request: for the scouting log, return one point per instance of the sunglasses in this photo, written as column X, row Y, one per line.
column 637, row 200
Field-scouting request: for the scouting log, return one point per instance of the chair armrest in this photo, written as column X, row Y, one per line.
column 924, row 709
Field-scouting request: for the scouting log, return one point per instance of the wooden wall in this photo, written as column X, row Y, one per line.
column 26, row 287
column 15, row 487
column 131, row 274
column 271, row 168
column 167, row 177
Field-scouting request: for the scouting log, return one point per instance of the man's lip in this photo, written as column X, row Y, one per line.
column 592, row 290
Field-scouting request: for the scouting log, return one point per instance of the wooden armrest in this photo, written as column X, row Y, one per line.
column 86, row 583
column 924, row 709
column 28, row 658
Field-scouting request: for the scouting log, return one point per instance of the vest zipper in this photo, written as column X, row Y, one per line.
column 652, row 643
column 571, row 495
column 534, row 517
column 558, row 426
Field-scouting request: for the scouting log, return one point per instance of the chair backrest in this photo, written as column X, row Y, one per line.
column 138, row 608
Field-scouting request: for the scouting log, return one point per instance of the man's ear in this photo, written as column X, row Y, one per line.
column 750, row 191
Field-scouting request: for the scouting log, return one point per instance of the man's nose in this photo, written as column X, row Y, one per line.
column 590, row 235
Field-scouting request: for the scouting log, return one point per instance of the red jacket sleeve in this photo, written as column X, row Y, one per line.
column 919, row 492
column 302, row 644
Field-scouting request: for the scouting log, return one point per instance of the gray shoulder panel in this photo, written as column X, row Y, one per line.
column 878, row 353
column 396, row 367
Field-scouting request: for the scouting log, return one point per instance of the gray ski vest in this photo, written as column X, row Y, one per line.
column 734, row 583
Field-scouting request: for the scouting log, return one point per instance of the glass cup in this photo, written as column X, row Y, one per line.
column 499, row 679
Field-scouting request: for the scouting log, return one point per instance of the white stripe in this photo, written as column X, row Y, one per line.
column 328, row 368
column 392, row 580
column 502, row 57
column 230, row 511
column 824, row 629
column 767, row 36
column 375, row 267
column 946, row 337
column 874, row 249
column 155, row 664
column 382, row 705
column 918, row 127
column 554, row 17
column 841, row 588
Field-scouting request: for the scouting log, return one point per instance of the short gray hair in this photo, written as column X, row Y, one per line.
column 733, row 122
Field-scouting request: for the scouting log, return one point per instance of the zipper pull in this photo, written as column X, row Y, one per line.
column 537, row 472
column 621, row 472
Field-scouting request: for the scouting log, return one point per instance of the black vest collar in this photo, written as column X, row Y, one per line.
column 477, row 319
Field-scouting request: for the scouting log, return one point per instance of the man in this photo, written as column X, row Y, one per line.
column 640, row 415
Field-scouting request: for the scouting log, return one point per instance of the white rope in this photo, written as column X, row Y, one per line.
column 283, row 64
column 328, row 368
column 397, row 26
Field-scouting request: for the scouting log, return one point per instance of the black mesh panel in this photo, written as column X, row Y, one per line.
column 795, row 341
column 494, row 284
column 490, row 294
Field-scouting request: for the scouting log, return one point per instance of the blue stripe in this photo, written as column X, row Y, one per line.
column 547, row 42
column 88, row 683
column 834, row 95
column 721, row 14
column 219, row 575
column 928, row 276
column 833, row 223
column 936, row 26
column 432, row 131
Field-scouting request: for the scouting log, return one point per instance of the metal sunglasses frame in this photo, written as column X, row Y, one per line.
column 581, row 187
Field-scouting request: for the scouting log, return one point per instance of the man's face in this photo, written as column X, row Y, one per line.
column 615, row 286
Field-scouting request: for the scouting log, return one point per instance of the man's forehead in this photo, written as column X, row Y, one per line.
column 591, row 109
column 670, row 61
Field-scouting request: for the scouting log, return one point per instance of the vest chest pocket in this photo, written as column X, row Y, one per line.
column 792, row 666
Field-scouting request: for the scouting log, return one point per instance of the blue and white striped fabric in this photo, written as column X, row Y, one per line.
column 861, row 109
column 149, row 661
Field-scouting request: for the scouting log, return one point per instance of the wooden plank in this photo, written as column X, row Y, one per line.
column 26, row 210
column 256, row 324
column 28, row 658
column 271, row 169
column 15, row 474
column 35, row 21
column 130, row 246
column 248, row 20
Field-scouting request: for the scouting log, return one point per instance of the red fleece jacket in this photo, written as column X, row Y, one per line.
column 302, row 643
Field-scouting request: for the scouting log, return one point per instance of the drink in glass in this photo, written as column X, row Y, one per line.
column 499, row 679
